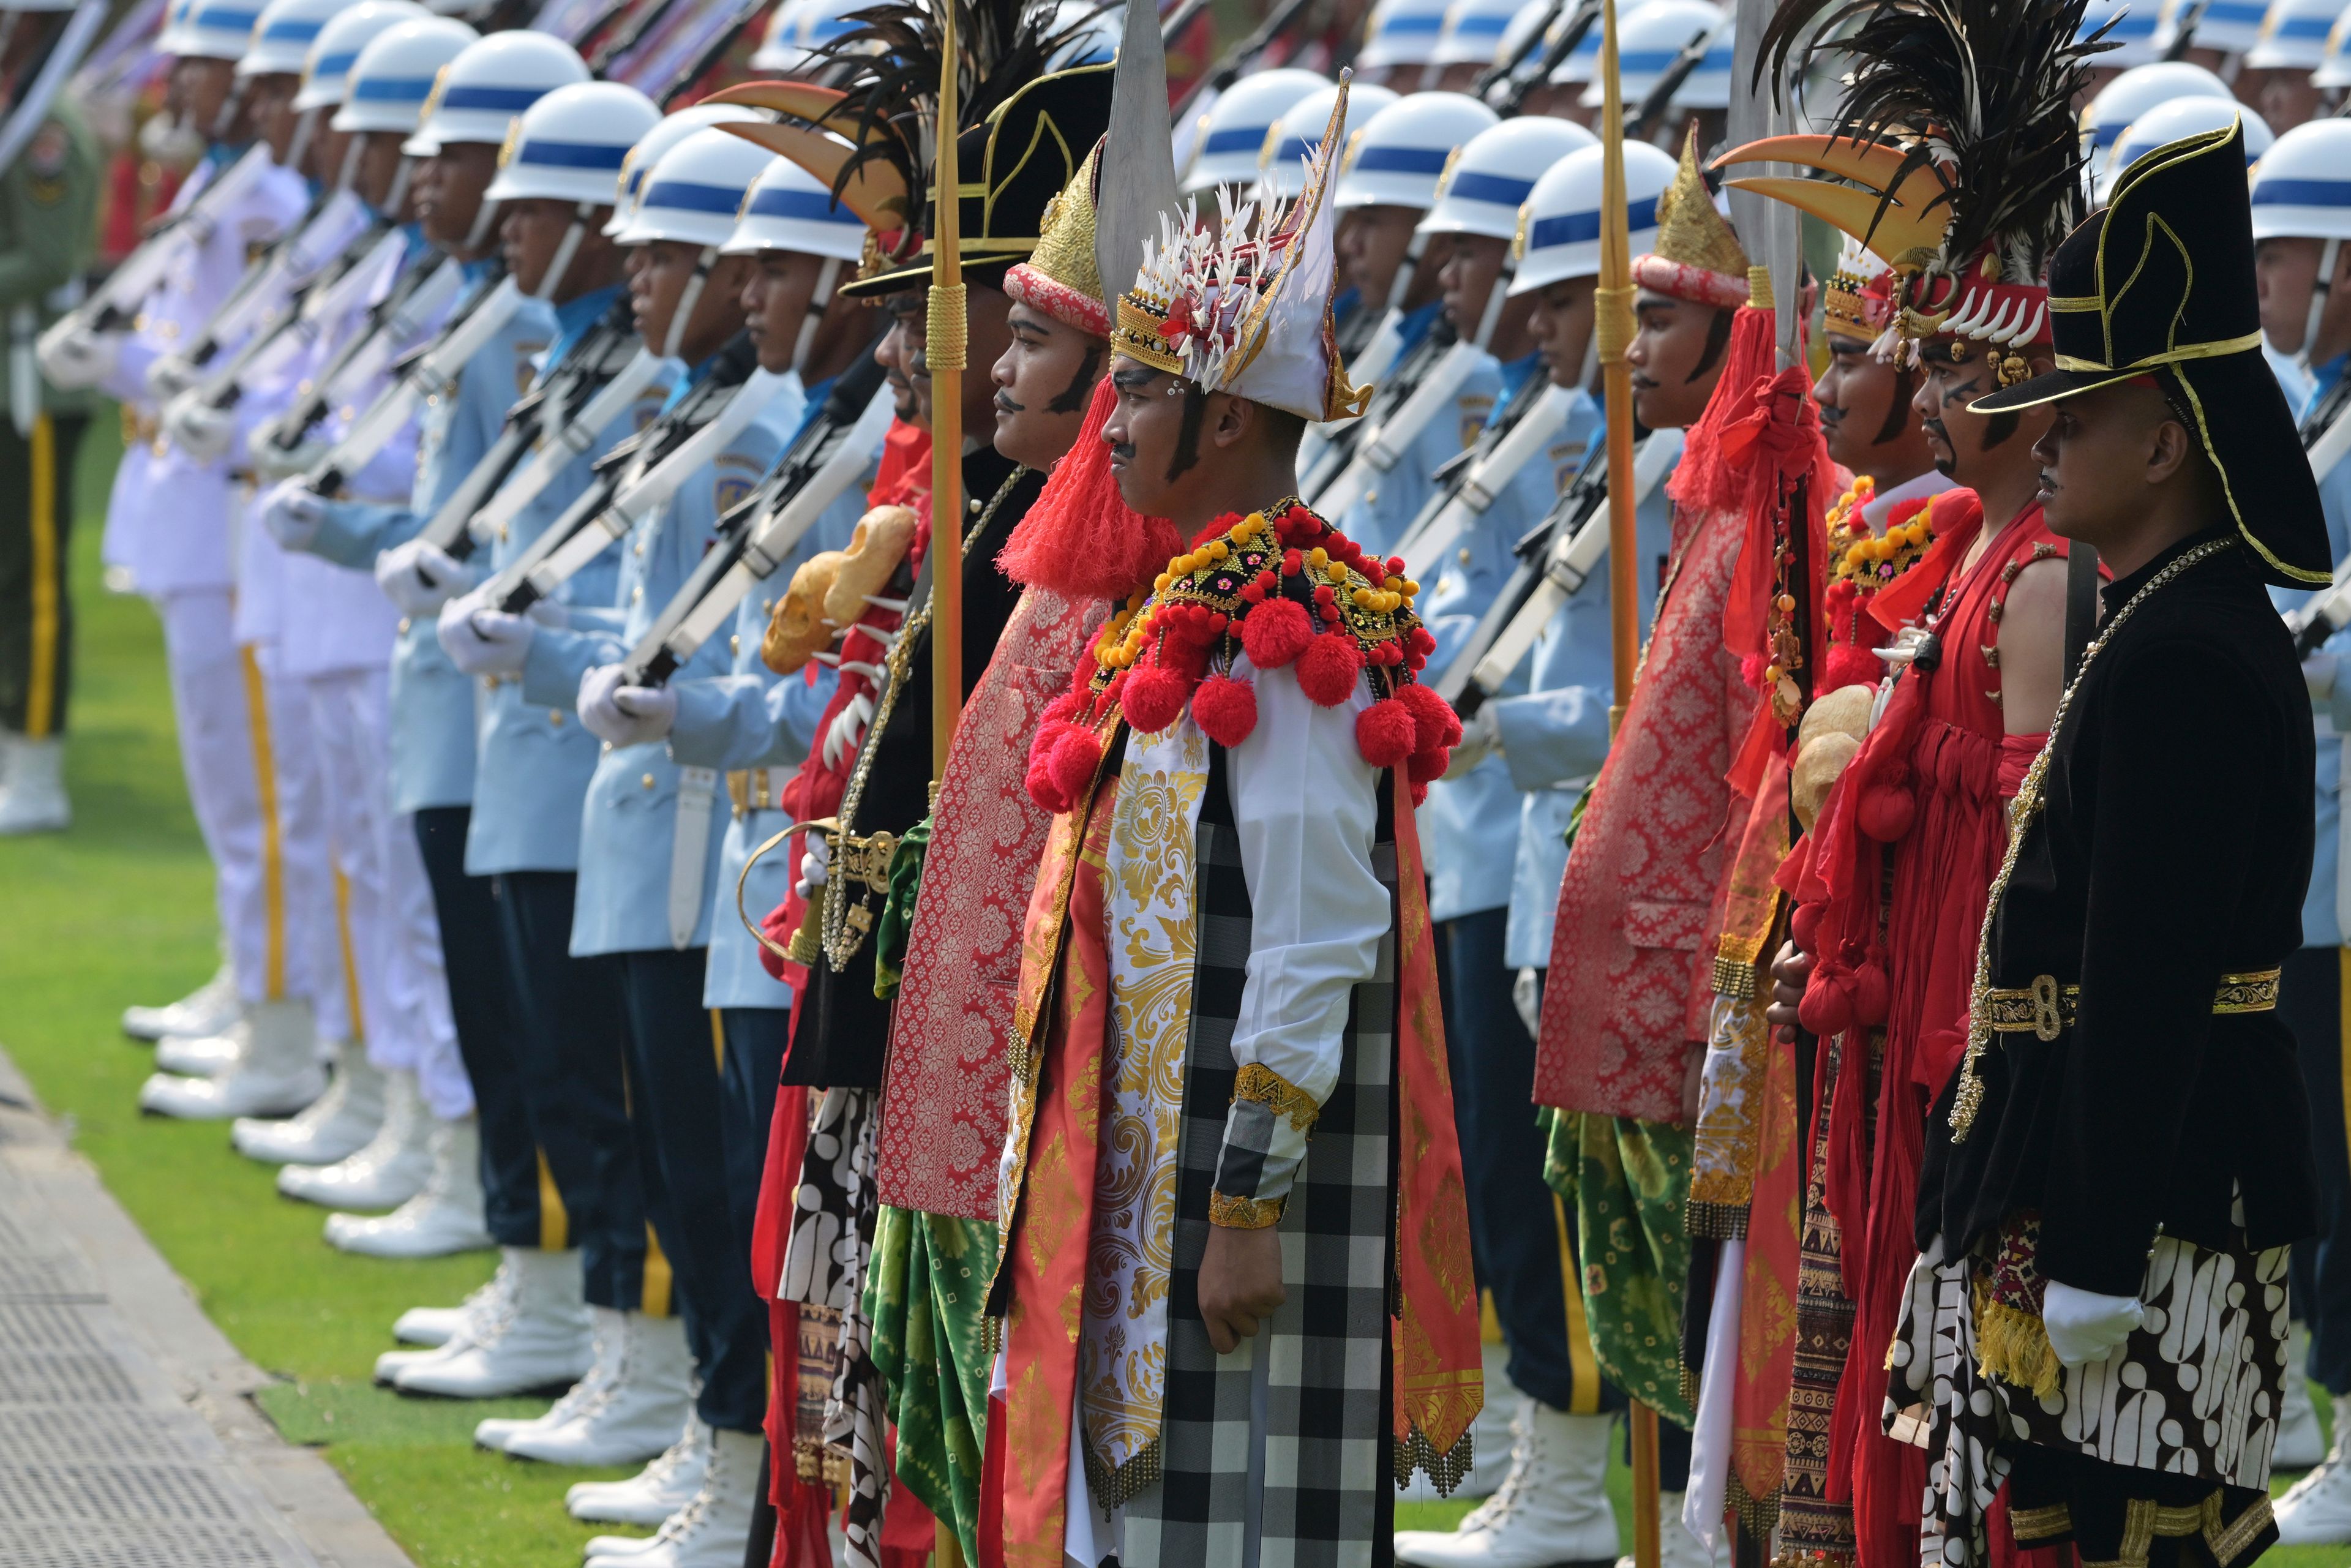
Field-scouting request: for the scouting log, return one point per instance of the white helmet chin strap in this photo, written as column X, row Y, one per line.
column 688, row 297
column 2322, row 285
column 351, row 169
column 1401, row 285
column 297, row 146
column 486, row 217
column 394, row 198
column 1492, row 317
column 565, row 250
column 229, row 108
column 1591, row 360
column 813, row 317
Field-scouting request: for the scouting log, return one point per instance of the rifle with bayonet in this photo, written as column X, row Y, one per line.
column 1466, row 485
column 126, row 288
column 327, row 297
column 2191, row 17
column 273, row 286
column 828, row 457
column 420, row 294
column 1669, row 82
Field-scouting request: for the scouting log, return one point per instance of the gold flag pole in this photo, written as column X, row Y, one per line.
column 1613, row 323
column 943, row 350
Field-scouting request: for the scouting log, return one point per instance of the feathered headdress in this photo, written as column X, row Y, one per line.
column 1956, row 139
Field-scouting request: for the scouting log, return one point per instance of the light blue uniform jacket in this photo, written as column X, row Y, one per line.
column 1388, row 508
column 1469, row 825
column 2321, row 928
column 628, row 823
column 432, row 702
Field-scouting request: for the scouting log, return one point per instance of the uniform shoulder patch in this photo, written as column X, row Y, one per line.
column 733, row 480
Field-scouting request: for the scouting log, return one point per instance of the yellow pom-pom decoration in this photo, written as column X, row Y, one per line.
column 1163, row 581
column 1318, row 557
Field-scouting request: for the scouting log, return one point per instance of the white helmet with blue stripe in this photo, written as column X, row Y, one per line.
column 570, row 144
column 211, row 30
column 788, row 208
column 2294, row 33
column 1582, row 63
column 2302, row 186
column 1398, row 157
column 282, row 37
column 1473, row 31
column 2132, row 32
column 692, row 194
column 797, row 30
column 1096, row 40
column 1708, row 86
column 395, row 74
column 664, row 135
column 490, row 83
column 2178, row 116
column 1496, row 173
column 1234, row 129
column 1649, row 41
column 1560, row 236
column 2132, row 94
column 328, row 67
column 2334, row 64
column 1402, row 33
column 2232, row 26
column 1300, row 130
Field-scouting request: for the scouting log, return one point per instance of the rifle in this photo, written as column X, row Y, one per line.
column 273, row 286
column 824, row 461
column 2191, row 17
column 1669, row 82
column 1466, row 486
column 674, row 449
column 2326, row 439
column 601, row 351
column 419, row 296
column 1231, row 63
column 1507, row 93
column 303, row 316
column 1317, row 471
column 127, row 287
column 429, row 372
column 1411, row 402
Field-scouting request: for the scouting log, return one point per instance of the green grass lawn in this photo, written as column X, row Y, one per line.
column 119, row 910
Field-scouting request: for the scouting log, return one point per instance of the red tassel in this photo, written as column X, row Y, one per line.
column 1428, row 765
column 1435, row 726
column 1827, row 1007
column 1155, row 697
column 1329, row 669
column 1872, row 993
column 1075, row 758
column 1805, row 925
column 1275, row 633
column 1226, row 709
column 1847, row 665
column 1385, row 733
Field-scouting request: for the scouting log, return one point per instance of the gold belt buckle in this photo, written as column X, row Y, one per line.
column 2047, row 1021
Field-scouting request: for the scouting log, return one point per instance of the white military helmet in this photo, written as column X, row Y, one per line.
column 1524, row 24
column 788, row 208
column 395, row 74
column 797, row 30
column 1560, row 236
column 490, row 83
column 1473, row 31
column 570, row 144
column 664, row 135
column 1397, row 158
column 2335, row 65
column 210, row 30
column 1234, row 132
column 2232, row 26
column 2178, row 116
column 2132, row 94
column 1300, row 131
column 337, row 48
column 2133, row 33
column 1582, row 63
column 1495, row 174
column 693, row 194
column 282, row 37
column 2302, row 189
column 1402, row 33
column 1649, row 41
column 1095, row 41
column 1708, row 84
column 2293, row 35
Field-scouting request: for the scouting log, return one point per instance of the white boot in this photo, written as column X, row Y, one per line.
column 1676, row 1547
column 278, row 1076
column 433, row 1327
column 338, row 1122
column 714, row 1525
column 208, row 1009
column 33, row 798
column 2316, row 1511
column 2300, row 1443
column 386, row 1171
column 538, row 1338
column 1490, row 1433
column 444, row 1217
column 654, row 1493
column 204, row 1055
column 1552, row 1508
column 605, row 1340
column 633, row 1415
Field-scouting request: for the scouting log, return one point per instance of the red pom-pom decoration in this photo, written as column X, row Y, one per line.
column 1885, row 811
column 1850, row 666
column 1385, row 733
column 1827, row 1007
column 1038, row 782
column 1435, row 726
column 1872, row 995
column 1075, row 758
column 1329, row 669
column 1419, row 795
column 1805, row 925
column 1061, row 710
column 1275, row 633
column 1428, row 766
column 1155, row 697
column 1225, row 709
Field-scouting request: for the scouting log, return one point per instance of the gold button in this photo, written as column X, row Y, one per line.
column 766, row 607
column 735, row 645
column 1370, row 496
column 647, row 781
column 555, row 718
column 637, row 548
column 636, row 594
column 403, row 625
column 1464, row 556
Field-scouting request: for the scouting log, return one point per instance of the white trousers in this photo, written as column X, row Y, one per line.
column 403, row 991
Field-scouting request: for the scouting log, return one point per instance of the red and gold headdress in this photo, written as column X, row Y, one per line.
column 1697, row 257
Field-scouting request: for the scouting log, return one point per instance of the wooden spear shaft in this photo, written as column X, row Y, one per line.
column 942, row 349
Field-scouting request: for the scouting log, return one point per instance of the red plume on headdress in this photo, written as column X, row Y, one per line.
column 1081, row 539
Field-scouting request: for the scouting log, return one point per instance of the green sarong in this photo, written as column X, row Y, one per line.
column 925, row 1290
column 1629, row 1182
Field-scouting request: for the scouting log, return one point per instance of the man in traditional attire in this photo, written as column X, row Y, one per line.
column 2098, row 1316
column 1222, row 1342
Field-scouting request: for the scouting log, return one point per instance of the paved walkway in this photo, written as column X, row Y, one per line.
column 127, row 1436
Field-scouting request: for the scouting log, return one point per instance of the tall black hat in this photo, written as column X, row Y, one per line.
column 2160, row 282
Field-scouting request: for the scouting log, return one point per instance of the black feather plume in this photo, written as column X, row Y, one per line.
column 1982, row 91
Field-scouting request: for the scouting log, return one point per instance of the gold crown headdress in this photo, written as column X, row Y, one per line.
column 1697, row 257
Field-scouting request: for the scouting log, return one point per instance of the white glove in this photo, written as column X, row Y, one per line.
column 198, row 429
column 293, row 515
column 420, row 577
column 1481, row 736
column 2318, row 676
column 2085, row 1326
column 170, row 376
column 1526, row 994
column 625, row 715
column 272, row 461
column 848, row 729
column 815, row 866
column 481, row 641
column 81, row 359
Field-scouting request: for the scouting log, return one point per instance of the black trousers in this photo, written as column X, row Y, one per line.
column 676, row 1109
column 36, row 612
column 571, row 1050
column 755, row 1038
column 2310, row 998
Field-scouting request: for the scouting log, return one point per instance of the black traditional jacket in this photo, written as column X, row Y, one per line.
column 2163, row 876
column 843, row 1028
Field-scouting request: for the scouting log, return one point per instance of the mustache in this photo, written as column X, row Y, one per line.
column 1831, row 416
column 1122, row 451
column 1644, row 383
column 1934, row 427
column 1004, row 403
